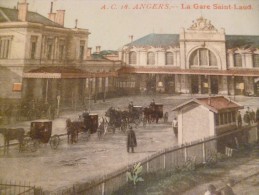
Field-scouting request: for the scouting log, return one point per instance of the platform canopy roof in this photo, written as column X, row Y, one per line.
column 65, row 72
column 177, row 70
column 214, row 103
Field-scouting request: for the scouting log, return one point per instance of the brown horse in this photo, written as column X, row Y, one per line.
column 12, row 134
column 72, row 131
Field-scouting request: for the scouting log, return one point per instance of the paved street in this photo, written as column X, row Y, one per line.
column 85, row 160
column 52, row 169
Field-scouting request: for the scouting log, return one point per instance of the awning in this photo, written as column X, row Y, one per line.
column 65, row 73
column 174, row 70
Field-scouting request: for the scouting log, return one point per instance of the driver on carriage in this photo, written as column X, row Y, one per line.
column 130, row 107
column 152, row 104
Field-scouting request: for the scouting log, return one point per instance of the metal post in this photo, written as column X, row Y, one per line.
column 203, row 151
column 47, row 86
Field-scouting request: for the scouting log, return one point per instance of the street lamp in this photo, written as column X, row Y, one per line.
column 90, row 91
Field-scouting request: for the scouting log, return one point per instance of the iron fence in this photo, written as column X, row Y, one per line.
column 18, row 188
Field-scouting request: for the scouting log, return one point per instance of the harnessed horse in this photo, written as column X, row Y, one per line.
column 72, row 131
column 12, row 134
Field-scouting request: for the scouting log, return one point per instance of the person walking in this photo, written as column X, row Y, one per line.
column 131, row 140
column 175, row 126
column 239, row 119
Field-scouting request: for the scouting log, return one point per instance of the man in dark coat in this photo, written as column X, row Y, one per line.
column 131, row 140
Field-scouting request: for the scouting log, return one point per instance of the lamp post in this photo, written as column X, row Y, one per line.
column 233, row 78
column 90, row 91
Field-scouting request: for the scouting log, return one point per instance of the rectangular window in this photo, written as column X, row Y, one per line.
column 82, row 50
column 50, row 43
column 61, row 51
column 49, row 52
column 33, row 46
column 4, row 47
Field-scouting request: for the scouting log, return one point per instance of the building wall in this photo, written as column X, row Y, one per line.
column 194, row 123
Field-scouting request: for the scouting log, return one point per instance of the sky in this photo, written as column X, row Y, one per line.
column 111, row 22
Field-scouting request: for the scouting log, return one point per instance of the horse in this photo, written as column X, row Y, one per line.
column 12, row 134
column 150, row 114
column 72, row 131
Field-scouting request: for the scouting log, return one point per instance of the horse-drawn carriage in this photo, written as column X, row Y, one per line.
column 153, row 113
column 40, row 133
column 87, row 123
column 117, row 119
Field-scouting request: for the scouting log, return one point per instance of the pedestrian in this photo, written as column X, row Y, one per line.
column 227, row 190
column 247, row 118
column 252, row 116
column 131, row 140
column 211, row 190
column 239, row 119
column 175, row 126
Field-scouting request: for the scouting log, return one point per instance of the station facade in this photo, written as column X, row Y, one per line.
column 199, row 60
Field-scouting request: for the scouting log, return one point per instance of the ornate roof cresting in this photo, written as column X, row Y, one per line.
column 202, row 24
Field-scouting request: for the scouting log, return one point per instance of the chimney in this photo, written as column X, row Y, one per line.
column 131, row 38
column 76, row 21
column 60, row 17
column 98, row 49
column 51, row 7
column 22, row 10
column 89, row 51
column 52, row 15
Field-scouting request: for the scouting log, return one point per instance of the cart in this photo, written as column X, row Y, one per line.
column 40, row 133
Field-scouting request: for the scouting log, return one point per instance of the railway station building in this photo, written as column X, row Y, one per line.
column 199, row 60
column 42, row 60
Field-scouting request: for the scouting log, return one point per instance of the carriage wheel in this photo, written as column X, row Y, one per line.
column 54, row 141
column 30, row 145
column 88, row 134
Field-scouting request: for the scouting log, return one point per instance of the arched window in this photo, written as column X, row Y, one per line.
column 132, row 57
column 203, row 57
column 237, row 60
column 256, row 60
column 169, row 58
column 150, row 58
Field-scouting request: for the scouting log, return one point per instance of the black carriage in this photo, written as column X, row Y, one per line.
column 117, row 119
column 40, row 133
column 87, row 123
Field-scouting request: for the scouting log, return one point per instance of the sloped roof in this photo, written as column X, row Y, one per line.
column 11, row 15
column 242, row 41
column 156, row 40
column 65, row 72
column 215, row 104
column 162, row 40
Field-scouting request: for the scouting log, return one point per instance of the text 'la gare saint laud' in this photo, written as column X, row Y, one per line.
column 217, row 6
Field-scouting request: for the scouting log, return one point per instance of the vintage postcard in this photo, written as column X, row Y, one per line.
column 123, row 97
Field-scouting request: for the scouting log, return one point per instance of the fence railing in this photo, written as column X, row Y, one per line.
column 18, row 188
column 166, row 160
